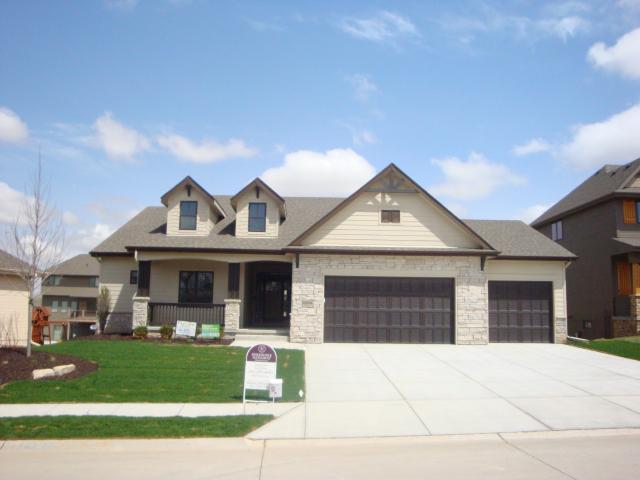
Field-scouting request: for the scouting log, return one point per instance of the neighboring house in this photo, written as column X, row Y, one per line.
column 14, row 303
column 600, row 222
column 72, row 289
column 387, row 264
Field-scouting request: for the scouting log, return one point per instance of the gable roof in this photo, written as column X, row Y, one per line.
column 608, row 182
column 9, row 263
column 392, row 169
column 259, row 184
column 81, row 265
column 188, row 182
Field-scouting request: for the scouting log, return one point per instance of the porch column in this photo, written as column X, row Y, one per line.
column 140, row 314
column 232, row 302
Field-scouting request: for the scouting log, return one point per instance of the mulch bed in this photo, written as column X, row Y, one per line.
column 15, row 365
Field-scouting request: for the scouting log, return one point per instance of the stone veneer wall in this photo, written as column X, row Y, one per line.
column 307, row 301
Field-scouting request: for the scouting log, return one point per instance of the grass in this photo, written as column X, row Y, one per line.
column 628, row 347
column 128, row 427
column 137, row 371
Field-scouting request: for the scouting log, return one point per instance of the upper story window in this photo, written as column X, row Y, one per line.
column 257, row 217
column 195, row 287
column 390, row 216
column 188, row 215
column 556, row 230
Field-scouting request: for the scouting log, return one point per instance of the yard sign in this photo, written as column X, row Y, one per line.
column 259, row 368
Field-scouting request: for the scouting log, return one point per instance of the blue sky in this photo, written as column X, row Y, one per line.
column 497, row 108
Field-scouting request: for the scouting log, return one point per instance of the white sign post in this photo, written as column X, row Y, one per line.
column 259, row 369
column 186, row 329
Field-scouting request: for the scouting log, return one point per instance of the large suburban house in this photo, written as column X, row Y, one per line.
column 600, row 222
column 72, row 289
column 14, row 302
column 387, row 264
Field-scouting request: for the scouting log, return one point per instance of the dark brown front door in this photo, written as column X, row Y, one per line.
column 273, row 300
column 520, row 312
column 389, row 310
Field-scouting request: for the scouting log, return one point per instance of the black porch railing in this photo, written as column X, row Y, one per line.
column 170, row 313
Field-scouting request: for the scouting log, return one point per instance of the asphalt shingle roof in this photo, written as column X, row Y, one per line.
column 606, row 181
column 147, row 230
column 83, row 264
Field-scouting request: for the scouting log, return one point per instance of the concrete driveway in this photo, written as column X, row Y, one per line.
column 403, row 390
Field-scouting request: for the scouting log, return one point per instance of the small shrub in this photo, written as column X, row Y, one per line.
column 140, row 332
column 166, row 331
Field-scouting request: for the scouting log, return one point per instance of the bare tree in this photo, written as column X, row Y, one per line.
column 36, row 238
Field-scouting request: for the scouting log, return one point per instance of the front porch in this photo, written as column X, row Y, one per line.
column 238, row 292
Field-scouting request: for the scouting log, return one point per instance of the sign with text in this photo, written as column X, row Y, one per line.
column 210, row 331
column 260, row 367
column 186, row 329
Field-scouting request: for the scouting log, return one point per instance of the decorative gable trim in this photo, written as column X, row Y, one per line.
column 189, row 184
column 392, row 180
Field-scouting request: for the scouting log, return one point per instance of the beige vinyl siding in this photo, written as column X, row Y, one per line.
column 242, row 215
column 114, row 274
column 422, row 224
column 165, row 278
column 205, row 218
column 14, row 311
column 532, row 271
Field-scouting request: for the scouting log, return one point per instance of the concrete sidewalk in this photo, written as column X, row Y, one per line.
column 146, row 409
column 610, row 454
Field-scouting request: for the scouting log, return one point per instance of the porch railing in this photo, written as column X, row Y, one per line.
column 169, row 313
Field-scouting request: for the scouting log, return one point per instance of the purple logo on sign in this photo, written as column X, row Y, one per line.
column 261, row 353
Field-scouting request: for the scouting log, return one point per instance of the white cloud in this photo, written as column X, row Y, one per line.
column 12, row 203
column 117, row 140
column 616, row 139
column 362, row 85
column 564, row 27
column 529, row 214
column 12, row 128
column 623, row 57
column 473, row 178
column 336, row 172
column 208, row 151
column 382, row 27
column 535, row 145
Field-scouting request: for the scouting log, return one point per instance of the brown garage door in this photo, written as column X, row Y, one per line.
column 388, row 310
column 520, row 312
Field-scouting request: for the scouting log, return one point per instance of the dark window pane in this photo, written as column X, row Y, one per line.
column 188, row 215
column 257, row 217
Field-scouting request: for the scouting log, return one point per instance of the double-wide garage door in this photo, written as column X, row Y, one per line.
column 520, row 312
column 389, row 310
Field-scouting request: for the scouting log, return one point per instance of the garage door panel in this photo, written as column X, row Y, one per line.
column 520, row 311
column 383, row 310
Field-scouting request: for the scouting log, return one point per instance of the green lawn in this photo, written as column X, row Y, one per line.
column 128, row 427
column 628, row 347
column 137, row 371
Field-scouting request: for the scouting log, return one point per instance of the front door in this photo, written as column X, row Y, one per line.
column 273, row 300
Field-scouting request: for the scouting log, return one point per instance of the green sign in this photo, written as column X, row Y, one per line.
column 210, row 331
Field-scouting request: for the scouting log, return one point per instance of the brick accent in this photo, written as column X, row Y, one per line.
column 140, row 315
column 231, row 314
column 307, row 301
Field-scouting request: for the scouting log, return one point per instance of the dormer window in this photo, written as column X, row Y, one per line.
column 257, row 217
column 188, row 215
column 389, row 216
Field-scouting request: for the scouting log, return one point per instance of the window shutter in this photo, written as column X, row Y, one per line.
column 629, row 211
column 624, row 278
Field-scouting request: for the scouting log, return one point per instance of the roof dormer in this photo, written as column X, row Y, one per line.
column 259, row 210
column 191, row 210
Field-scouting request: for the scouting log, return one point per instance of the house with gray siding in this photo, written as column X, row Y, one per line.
column 389, row 263
column 600, row 222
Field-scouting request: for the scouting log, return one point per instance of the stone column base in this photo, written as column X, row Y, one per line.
column 232, row 315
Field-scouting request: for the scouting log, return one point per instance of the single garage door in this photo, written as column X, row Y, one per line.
column 388, row 310
column 520, row 312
